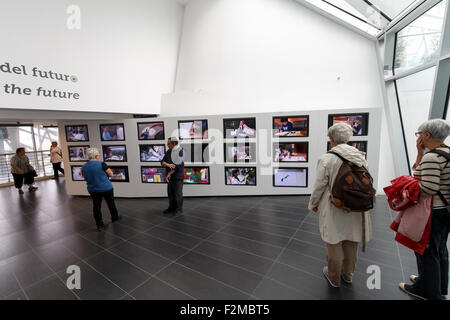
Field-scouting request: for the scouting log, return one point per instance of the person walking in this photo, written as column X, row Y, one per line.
column 173, row 161
column 22, row 170
column 56, row 159
column 96, row 174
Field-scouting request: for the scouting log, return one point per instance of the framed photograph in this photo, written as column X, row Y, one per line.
column 152, row 152
column 76, row 133
column 77, row 175
column 115, row 153
column 290, row 152
column 290, row 177
column 291, row 126
column 240, row 152
column 153, row 175
column 120, row 174
column 239, row 128
column 240, row 176
column 150, row 130
column 78, row 153
column 112, row 132
column 358, row 121
column 195, row 152
column 193, row 129
column 196, row 175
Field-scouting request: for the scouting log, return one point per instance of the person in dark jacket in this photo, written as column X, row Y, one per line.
column 173, row 161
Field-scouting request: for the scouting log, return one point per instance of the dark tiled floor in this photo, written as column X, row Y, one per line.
column 220, row 248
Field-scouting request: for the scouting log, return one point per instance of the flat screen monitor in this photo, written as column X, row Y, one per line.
column 240, row 152
column 196, row 129
column 152, row 152
column 358, row 121
column 151, row 131
column 78, row 153
column 195, row 152
column 360, row 145
column 76, row 173
column 239, row 128
column 112, row 132
column 290, row 177
column 196, row 175
column 120, row 174
column 240, row 176
column 295, row 126
column 115, row 153
column 77, row 133
column 291, row 152
column 153, row 175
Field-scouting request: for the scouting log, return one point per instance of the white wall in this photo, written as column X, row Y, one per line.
column 124, row 54
column 269, row 55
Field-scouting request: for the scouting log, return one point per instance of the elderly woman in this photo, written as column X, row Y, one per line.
column 96, row 174
column 340, row 230
column 433, row 170
column 21, row 170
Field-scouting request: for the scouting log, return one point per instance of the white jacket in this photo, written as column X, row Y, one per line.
column 335, row 224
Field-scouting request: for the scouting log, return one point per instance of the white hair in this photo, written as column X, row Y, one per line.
column 438, row 128
column 340, row 132
column 92, row 153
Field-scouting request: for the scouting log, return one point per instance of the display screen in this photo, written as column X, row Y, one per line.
column 115, row 153
column 153, row 175
column 151, row 131
column 78, row 153
column 152, row 153
column 245, row 152
column 295, row 126
column 195, row 152
column 239, row 128
column 196, row 175
column 120, row 174
column 197, row 129
column 77, row 133
column 290, row 177
column 112, row 132
column 76, row 173
column 291, row 152
column 359, row 122
column 240, row 176
column 360, row 145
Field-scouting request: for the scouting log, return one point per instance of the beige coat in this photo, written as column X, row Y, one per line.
column 335, row 224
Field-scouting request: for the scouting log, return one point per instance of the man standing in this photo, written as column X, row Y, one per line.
column 56, row 159
column 173, row 161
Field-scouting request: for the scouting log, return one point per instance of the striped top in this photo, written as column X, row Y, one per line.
column 434, row 173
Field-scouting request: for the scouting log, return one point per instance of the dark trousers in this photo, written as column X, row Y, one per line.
column 433, row 265
column 175, row 193
column 97, row 199
column 19, row 178
column 56, row 168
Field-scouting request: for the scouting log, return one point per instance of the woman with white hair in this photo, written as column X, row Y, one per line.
column 340, row 230
column 433, row 169
column 96, row 174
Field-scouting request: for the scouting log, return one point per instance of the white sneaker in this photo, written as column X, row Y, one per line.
column 325, row 273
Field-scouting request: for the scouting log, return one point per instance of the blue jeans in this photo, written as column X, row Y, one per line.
column 433, row 265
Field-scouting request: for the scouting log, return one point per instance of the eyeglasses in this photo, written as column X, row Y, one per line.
column 418, row 134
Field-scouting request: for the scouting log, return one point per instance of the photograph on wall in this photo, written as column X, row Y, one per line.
column 151, row 131
column 240, row 176
column 78, row 153
column 195, row 152
column 153, row 175
column 295, row 126
column 196, row 175
column 240, row 152
column 196, row 129
column 115, row 153
column 77, row 174
column 77, row 133
column 290, row 177
column 120, row 174
column 112, row 132
column 152, row 152
column 360, row 145
column 291, row 152
column 358, row 121
column 239, row 128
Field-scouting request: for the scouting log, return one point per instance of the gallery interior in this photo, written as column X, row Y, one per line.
column 248, row 90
